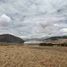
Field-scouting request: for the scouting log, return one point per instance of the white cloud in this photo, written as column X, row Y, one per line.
column 33, row 17
column 64, row 30
column 5, row 18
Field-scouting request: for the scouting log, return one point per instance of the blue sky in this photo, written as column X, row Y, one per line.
column 36, row 18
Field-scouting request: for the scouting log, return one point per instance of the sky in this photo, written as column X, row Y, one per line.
column 33, row 18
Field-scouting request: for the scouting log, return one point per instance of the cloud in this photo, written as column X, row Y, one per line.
column 4, row 17
column 64, row 30
column 33, row 18
column 4, row 20
column 5, row 24
column 50, row 25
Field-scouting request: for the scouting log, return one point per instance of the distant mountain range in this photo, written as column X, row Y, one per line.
column 8, row 38
column 53, row 39
column 56, row 37
column 56, row 40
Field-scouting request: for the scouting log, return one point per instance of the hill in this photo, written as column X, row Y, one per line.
column 8, row 38
column 56, row 40
column 56, row 37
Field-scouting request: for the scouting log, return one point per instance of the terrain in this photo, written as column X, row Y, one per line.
column 57, row 40
column 8, row 38
column 32, row 56
column 51, row 39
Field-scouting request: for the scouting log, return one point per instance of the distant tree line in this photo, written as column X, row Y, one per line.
column 51, row 44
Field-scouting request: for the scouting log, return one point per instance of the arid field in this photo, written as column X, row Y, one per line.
column 32, row 56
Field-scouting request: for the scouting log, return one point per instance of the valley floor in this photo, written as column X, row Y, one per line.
column 29, row 56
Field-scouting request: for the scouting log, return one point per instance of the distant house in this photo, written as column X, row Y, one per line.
column 7, row 38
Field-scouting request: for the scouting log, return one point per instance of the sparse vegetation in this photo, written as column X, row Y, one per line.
column 52, row 44
column 32, row 56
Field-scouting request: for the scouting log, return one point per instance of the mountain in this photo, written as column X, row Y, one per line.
column 57, row 37
column 56, row 40
column 8, row 38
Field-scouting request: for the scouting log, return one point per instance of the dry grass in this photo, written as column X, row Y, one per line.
column 28, row 56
